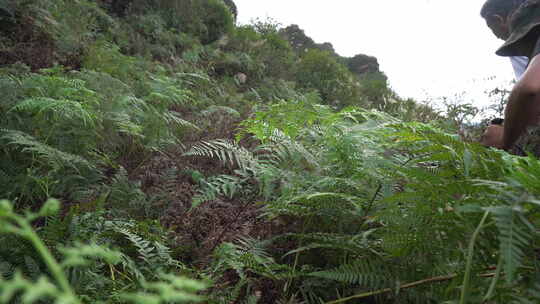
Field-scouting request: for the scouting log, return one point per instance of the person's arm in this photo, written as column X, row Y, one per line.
column 523, row 109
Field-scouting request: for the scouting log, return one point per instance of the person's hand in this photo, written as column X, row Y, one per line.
column 493, row 136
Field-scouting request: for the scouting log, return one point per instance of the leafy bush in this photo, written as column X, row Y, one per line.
column 59, row 30
column 208, row 20
column 321, row 71
column 375, row 91
column 263, row 51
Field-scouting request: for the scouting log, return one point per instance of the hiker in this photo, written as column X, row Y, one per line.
column 518, row 23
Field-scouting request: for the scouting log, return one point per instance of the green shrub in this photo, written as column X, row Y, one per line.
column 375, row 91
column 207, row 19
column 321, row 71
column 149, row 36
column 271, row 53
column 61, row 31
column 217, row 19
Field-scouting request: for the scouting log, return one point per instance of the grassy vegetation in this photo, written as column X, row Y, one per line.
column 155, row 152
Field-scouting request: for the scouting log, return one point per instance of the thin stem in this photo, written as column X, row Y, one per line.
column 470, row 254
column 296, row 258
column 491, row 289
column 406, row 286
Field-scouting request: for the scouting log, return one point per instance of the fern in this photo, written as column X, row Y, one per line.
column 226, row 151
column 155, row 256
column 366, row 274
column 32, row 291
column 52, row 157
column 288, row 152
column 173, row 119
column 81, row 254
column 144, row 248
column 514, row 237
column 213, row 110
column 168, row 289
column 55, row 229
column 529, row 296
column 516, row 232
column 249, row 256
column 6, row 270
column 223, row 185
column 34, row 269
column 166, row 91
column 60, row 109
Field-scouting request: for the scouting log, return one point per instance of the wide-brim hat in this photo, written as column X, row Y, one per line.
column 523, row 23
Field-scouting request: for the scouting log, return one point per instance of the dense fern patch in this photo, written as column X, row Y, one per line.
column 193, row 160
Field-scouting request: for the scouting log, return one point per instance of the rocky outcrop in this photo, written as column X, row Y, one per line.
column 359, row 64
column 362, row 64
column 232, row 7
column 301, row 42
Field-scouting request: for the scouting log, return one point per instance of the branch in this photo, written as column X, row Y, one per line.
column 405, row 286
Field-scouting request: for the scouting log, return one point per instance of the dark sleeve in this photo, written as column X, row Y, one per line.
column 536, row 48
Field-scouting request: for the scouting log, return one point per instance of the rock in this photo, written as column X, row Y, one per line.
column 241, row 78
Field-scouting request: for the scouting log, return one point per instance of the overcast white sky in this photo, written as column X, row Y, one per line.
column 428, row 48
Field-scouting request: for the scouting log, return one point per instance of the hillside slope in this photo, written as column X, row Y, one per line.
column 194, row 160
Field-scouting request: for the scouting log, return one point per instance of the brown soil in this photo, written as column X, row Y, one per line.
column 196, row 233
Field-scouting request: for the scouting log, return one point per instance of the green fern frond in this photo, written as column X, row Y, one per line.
column 222, row 185
column 33, row 269
column 81, row 255
column 156, row 256
column 125, row 125
column 529, row 296
column 515, row 237
column 55, row 229
column 166, row 91
column 170, row 289
column 61, row 109
column 164, row 257
column 249, row 255
column 346, row 243
column 317, row 203
column 213, row 110
column 6, row 270
column 196, row 76
column 173, row 118
column 144, row 248
column 32, row 291
column 287, row 151
column 363, row 273
column 225, row 151
column 51, row 156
